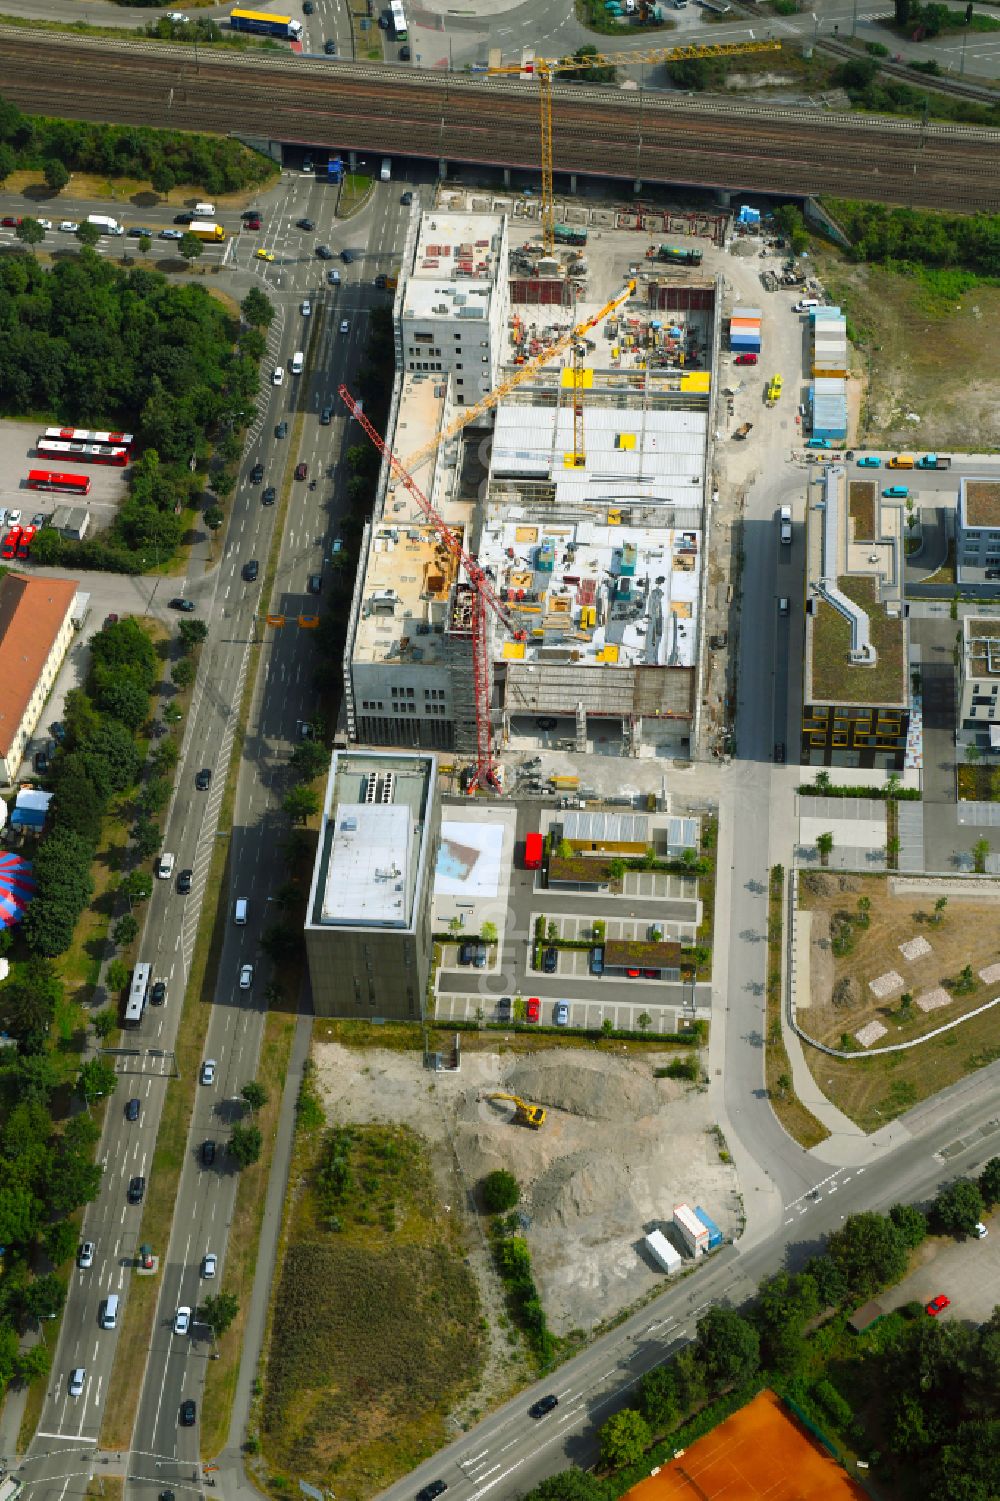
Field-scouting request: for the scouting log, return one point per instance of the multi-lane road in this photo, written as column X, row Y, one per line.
column 282, row 661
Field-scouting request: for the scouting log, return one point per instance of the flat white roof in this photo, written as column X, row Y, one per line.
column 657, row 455
column 366, row 879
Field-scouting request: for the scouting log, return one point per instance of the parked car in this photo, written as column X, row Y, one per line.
column 597, row 961
column 170, row 234
column 139, row 231
column 188, row 1411
column 42, row 762
column 869, row 461
column 561, row 1013
column 165, row 868
column 896, row 492
column 746, row 359
column 938, row 1305
column 69, row 226
column 534, row 1008
column 58, row 731
column 505, row 1007
column 550, row 959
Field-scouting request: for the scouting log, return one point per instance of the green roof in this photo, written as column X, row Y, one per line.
column 835, row 679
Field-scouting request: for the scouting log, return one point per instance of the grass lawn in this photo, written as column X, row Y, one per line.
column 932, row 341
column 799, row 1122
column 376, row 1327
column 846, row 954
column 353, row 194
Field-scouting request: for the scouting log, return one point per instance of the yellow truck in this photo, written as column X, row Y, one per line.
column 773, row 390
column 205, row 229
column 901, row 461
column 565, row 784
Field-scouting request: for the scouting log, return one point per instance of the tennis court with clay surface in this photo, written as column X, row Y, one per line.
column 759, row 1454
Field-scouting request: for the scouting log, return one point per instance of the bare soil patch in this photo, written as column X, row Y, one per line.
column 618, row 1150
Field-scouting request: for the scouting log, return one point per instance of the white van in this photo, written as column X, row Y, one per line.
column 109, row 1313
column 105, row 225
column 386, row 173
column 204, row 210
column 806, row 304
column 298, row 360
column 240, row 912
column 165, row 868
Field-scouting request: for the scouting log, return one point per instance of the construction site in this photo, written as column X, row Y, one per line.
column 537, row 558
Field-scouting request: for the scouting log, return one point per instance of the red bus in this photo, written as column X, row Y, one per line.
column 9, row 548
column 87, row 453
column 533, row 851
column 25, row 541
column 48, row 479
column 81, row 435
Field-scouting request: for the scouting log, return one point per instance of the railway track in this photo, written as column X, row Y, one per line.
column 459, row 118
column 958, row 88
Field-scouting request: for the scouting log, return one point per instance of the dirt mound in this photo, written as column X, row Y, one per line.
column 599, row 1087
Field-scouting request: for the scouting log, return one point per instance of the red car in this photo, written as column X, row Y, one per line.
column 633, row 974
column 9, row 223
column 9, row 549
column 301, row 470
column 651, row 974
column 746, row 359
column 938, row 1305
column 252, row 223
column 534, row 1008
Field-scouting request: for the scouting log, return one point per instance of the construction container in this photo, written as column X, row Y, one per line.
column 691, row 1230
column 714, row 1233
column 663, row 1253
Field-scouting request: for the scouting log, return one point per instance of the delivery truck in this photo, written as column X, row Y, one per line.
column 533, row 847
column 205, row 229
column 934, row 461
column 265, row 24
column 105, row 225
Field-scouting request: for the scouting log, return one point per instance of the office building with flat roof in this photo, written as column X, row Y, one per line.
column 368, row 932
column 855, row 693
column 979, row 684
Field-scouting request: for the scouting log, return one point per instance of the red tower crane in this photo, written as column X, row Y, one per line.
column 484, row 597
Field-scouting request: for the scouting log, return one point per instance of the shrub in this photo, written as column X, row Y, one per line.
column 500, row 1191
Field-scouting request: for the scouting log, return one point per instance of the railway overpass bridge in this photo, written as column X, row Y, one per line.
column 630, row 135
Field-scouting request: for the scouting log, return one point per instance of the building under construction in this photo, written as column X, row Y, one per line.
column 585, row 506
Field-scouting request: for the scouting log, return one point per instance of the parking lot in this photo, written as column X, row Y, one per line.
column 967, row 1272
column 17, row 457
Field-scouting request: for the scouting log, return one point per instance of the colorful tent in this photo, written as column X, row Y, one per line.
column 17, row 887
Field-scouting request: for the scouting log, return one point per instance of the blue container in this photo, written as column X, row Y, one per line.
column 714, row 1233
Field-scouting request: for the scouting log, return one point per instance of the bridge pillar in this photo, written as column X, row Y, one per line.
column 637, row 187
column 723, row 197
column 443, row 170
column 572, row 184
column 506, row 177
column 352, row 160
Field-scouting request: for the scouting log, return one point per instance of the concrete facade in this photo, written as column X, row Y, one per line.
column 368, row 923
column 979, row 683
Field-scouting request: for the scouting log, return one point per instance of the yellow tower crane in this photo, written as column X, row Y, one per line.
column 524, row 1114
column 486, row 404
column 545, row 69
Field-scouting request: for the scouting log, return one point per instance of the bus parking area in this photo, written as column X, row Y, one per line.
column 40, row 472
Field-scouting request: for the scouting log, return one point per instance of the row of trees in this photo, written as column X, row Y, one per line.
column 928, row 1392
column 166, row 158
column 904, row 236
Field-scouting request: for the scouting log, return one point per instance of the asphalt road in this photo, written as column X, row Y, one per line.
column 284, row 697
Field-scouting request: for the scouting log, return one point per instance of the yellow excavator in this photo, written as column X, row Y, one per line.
column 525, row 1114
